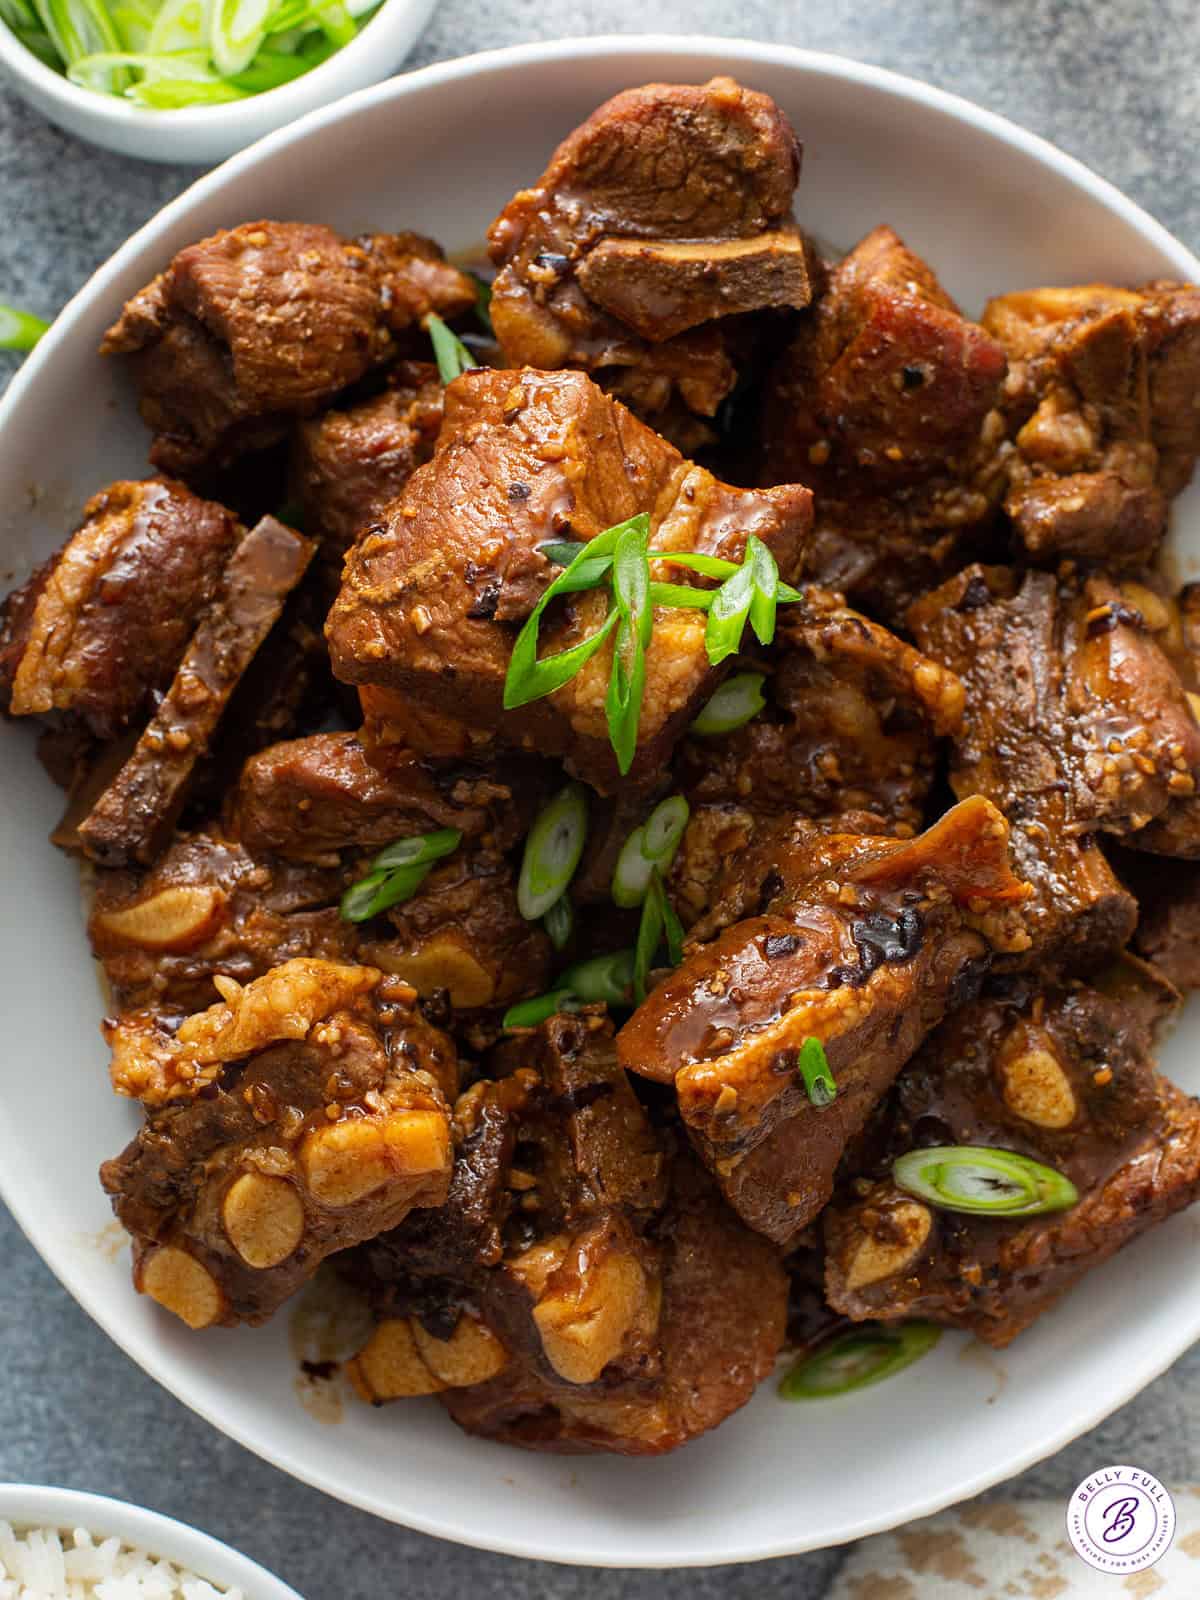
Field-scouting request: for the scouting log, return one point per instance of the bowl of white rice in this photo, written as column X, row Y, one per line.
column 56, row 1544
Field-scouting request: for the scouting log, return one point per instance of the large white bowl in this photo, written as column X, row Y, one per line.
column 440, row 150
column 27, row 1505
column 200, row 135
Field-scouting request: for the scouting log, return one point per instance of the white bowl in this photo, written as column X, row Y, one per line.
column 202, row 135
column 441, row 149
column 27, row 1505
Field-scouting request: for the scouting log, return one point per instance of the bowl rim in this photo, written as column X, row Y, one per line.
column 112, row 111
column 735, row 55
column 30, row 1505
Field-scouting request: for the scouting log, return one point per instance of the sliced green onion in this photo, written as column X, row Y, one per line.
column 40, row 44
column 451, row 354
column 78, row 27
column 727, row 616
column 563, row 551
column 766, row 589
column 334, row 21
column 652, row 845
column 18, row 14
column 173, row 94
column 552, row 851
column 738, row 701
column 528, row 678
column 20, row 330
column 607, row 979
column 682, row 596
column 559, row 922
column 813, row 1066
column 179, row 25
column 372, row 895
column 418, row 849
column 95, row 71
column 658, row 919
column 627, row 681
column 530, row 1013
column 270, row 68
column 359, row 896
column 235, row 31
column 981, row 1180
column 483, row 302
column 858, row 1358
column 664, row 829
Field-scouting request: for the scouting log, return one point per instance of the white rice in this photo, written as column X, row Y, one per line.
column 42, row 1564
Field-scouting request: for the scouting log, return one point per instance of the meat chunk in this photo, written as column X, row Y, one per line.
column 347, row 466
column 1064, row 1076
column 208, row 908
column 849, row 730
column 861, row 944
column 1103, row 406
column 132, row 820
column 664, row 214
column 99, row 629
column 462, row 935
column 719, row 1331
column 1168, row 927
column 265, row 322
column 660, row 288
column 885, row 405
column 308, row 799
column 1076, row 720
column 581, row 1290
column 430, row 602
column 334, row 1127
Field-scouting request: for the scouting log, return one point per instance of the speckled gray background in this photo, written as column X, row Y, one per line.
column 1117, row 84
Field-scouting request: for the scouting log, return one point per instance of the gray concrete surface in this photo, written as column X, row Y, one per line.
column 1118, row 87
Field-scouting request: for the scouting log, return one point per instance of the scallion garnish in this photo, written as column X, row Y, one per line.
column 19, row 330
column 396, row 874
column 422, row 847
column 483, row 302
column 601, row 980
column 750, row 592
column 607, row 979
column 858, row 1358
column 552, row 851
column 981, row 1180
column 658, row 923
column 451, row 354
column 559, row 922
column 627, row 681
column 529, row 1013
column 652, row 845
column 167, row 54
column 736, row 702
column 813, row 1065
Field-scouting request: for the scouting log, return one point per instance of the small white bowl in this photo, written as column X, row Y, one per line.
column 203, row 135
column 27, row 1505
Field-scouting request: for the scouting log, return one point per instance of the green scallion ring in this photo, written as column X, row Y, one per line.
column 358, row 897
column 530, row 1013
column 552, row 851
column 418, row 849
column 738, row 701
column 559, row 922
column 859, row 1358
column 819, row 1081
column 651, row 846
column 601, row 978
column 983, row 1181
column 19, row 330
